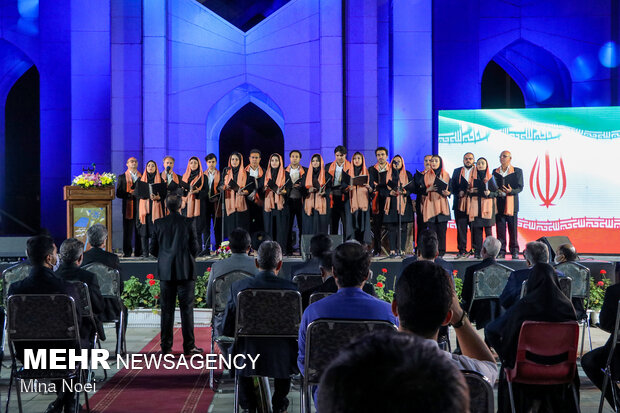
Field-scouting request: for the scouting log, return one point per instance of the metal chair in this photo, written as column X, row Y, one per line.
column 220, row 294
column 12, row 274
column 314, row 297
column 266, row 314
column 307, row 281
column 324, row 339
column 45, row 319
column 480, row 392
column 110, row 284
column 545, row 342
column 489, row 283
column 609, row 379
column 580, row 274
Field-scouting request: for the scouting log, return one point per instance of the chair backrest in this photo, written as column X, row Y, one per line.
column 489, row 282
column 307, row 281
column 326, row 337
column 221, row 289
column 85, row 304
column 109, row 279
column 268, row 313
column 304, row 245
column 580, row 274
column 616, row 335
column 480, row 392
column 546, row 353
column 12, row 274
column 314, row 297
column 565, row 286
column 42, row 317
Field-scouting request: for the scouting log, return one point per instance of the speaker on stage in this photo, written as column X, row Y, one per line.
column 305, row 243
column 553, row 243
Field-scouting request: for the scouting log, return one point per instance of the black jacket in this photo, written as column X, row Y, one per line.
column 456, row 186
column 483, row 311
column 501, row 200
column 175, row 245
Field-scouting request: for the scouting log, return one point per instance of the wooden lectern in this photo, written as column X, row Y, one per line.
column 87, row 207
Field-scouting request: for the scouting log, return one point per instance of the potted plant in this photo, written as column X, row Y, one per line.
column 596, row 297
column 380, row 287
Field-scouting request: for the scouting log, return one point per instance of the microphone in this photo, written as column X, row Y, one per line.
column 168, row 169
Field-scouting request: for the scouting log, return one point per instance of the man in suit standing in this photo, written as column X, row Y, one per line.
column 460, row 182
column 211, row 206
column 508, row 204
column 124, row 190
column 175, row 245
column 277, row 355
column 483, row 311
column 71, row 255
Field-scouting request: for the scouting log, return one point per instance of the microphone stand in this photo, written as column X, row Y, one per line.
column 399, row 241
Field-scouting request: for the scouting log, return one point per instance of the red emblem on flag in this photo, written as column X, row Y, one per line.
column 544, row 189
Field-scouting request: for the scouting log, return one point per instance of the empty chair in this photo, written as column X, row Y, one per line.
column 480, row 392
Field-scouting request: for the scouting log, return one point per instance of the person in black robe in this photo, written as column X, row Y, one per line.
column 150, row 209
column 398, row 203
column 435, row 207
column 276, row 189
column 235, row 205
column 482, row 207
column 316, row 197
column 379, row 173
column 295, row 199
column 211, row 206
column 124, row 190
column 336, row 170
column 420, row 194
column 359, row 208
column 544, row 301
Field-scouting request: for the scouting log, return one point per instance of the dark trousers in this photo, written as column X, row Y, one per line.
column 420, row 225
column 247, row 396
column 276, row 224
column 393, row 234
column 377, row 225
column 440, row 229
column 592, row 363
column 295, row 209
column 169, row 291
column 255, row 215
column 209, row 212
column 130, row 232
column 501, row 221
column 476, row 235
column 338, row 215
column 462, row 222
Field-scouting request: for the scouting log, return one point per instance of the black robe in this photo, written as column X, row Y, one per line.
column 276, row 221
column 316, row 223
column 392, row 216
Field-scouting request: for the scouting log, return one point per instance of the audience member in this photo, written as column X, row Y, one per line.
column 71, row 255
column 425, row 300
column 485, row 310
column 544, row 301
column 319, row 245
column 595, row 361
column 428, row 249
column 394, row 373
column 567, row 253
column 277, row 355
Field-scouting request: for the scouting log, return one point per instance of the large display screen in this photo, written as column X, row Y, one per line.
column 570, row 159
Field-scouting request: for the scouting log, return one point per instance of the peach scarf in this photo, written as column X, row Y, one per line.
column 145, row 207
column 402, row 180
column 358, row 195
column 191, row 200
column 486, row 204
column 130, row 200
column 434, row 203
column 273, row 200
column 509, row 209
column 235, row 202
column 375, row 199
column 315, row 201
column 463, row 205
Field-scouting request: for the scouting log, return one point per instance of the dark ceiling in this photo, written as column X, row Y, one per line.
column 244, row 14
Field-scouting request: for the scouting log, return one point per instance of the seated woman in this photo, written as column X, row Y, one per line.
column 544, row 301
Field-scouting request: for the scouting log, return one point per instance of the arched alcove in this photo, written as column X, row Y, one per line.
column 543, row 78
column 498, row 90
column 247, row 129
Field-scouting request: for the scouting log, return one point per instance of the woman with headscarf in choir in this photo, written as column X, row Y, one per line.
column 235, row 206
column 316, row 200
column 277, row 185
column 192, row 183
column 358, row 208
column 481, row 206
column 398, row 204
column 435, row 209
column 149, row 209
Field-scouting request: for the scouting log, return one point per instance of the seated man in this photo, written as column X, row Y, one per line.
column 71, row 255
column 483, row 311
column 594, row 362
column 319, row 245
column 239, row 260
column 428, row 249
column 394, row 373
column 329, row 282
column 42, row 254
column 425, row 300
column 277, row 355
column 568, row 253
column 535, row 252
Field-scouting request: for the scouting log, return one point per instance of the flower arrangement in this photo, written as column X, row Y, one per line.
column 597, row 292
column 91, row 179
column 458, row 285
column 223, row 251
column 380, row 287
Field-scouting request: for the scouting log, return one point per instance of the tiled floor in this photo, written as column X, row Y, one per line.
column 137, row 338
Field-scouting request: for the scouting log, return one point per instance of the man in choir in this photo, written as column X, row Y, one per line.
column 211, row 206
column 295, row 199
column 508, row 203
column 460, row 179
column 255, row 197
column 124, row 190
column 379, row 174
column 336, row 170
column 420, row 190
column 169, row 177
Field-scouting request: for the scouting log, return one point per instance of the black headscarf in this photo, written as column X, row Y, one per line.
column 235, row 169
column 438, row 170
column 544, row 301
column 482, row 174
column 150, row 177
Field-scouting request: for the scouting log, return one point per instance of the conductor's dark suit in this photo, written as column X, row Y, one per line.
column 483, row 311
column 175, row 245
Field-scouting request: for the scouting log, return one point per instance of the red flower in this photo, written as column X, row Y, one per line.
column 379, row 284
column 600, row 284
column 384, row 270
column 156, row 297
column 150, row 276
column 209, row 269
column 152, row 282
column 603, row 272
column 227, row 248
column 455, row 272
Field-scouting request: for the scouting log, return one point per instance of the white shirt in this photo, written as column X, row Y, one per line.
column 467, row 172
column 487, row 368
column 169, row 178
column 502, row 172
column 294, row 173
column 338, row 174
column 253, row 172
column 383, row 168
column 210, row 177
column 134, row 176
